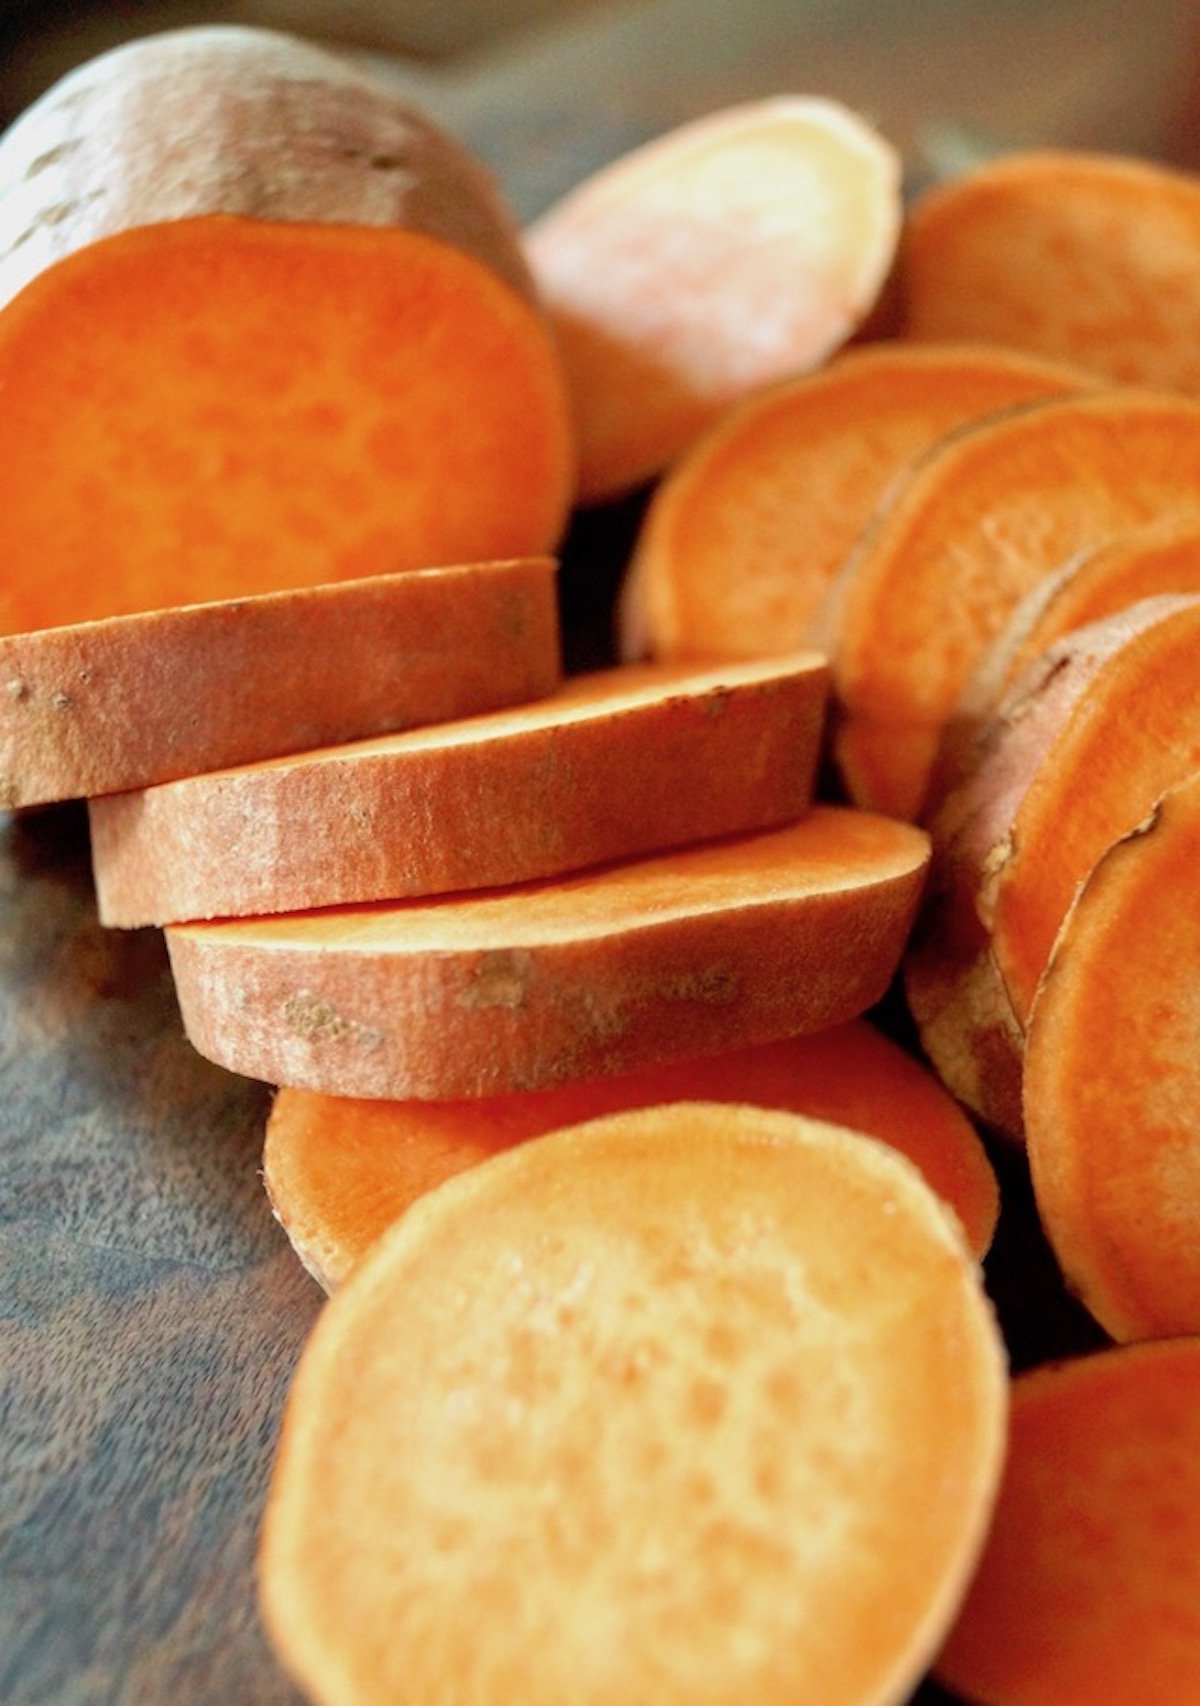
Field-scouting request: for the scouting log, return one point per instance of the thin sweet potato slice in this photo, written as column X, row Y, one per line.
column 598, row 770
column 247, row 122
column 723, row 257
column 120, row 704
column 1090, row 258
column 1089, row 1586
column 339, row 1171
column 1106, row 722
column 735, row 942
column 984, row 516
column 1145, row 562
column 1112, row 1082
column 745, row 535
column 691, row 1403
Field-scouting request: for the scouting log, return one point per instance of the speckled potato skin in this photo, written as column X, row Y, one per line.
column 235, row 121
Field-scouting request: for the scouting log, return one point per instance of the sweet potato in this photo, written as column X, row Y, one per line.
column 107, row 705
column 691, row 1403
column 1089, row 258
column 985, row 516
column 340, row 1171
column 1089, row 1586
column 245, row 122
column 652, row 960
column 1106, row 721
column 1112, row 1078
column 596, row 772
column 1160, row 557
column 723, row 257
column 224, row 376
column 745, row 535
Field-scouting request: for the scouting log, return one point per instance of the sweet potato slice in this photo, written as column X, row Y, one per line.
column 691, row 1403
column 1106, row 722
column 725, row 256
column 1089, row 1586
column 340, row 1171
column 1090, row 258
column 1112, row 1081
column 135, row 700
column 745, row 535
column 736, row 942
column 247, row 122
column 590, row 774
column 985, row 516
column 1145, row 562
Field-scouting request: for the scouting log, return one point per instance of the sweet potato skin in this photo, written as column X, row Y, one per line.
column 240, row 121
column 102, row 706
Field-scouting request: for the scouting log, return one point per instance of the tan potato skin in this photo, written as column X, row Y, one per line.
column 230, row 120
column 614, row 764
column 701, row 949
column 103, row 706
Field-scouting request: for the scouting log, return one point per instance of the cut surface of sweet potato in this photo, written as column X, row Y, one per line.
column 1090, row 258
column 736, row 942
column 1101, row 726
column 745, row 535
column 247, row 122
column 984, row 516
column 692, row 1403
column 1145, row 562
column 1112, row 1080
column 723, row 257
column 613, row 764
column 223, row 407
column 133, row 700
column 339, row 1171
column 1089, row 1586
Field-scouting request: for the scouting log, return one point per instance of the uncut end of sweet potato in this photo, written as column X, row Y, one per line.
column 339, row 1172
column 663, row 323
column 1089, row 1584
column 223, row 407
column 623, row 1436
column 1111, row 1094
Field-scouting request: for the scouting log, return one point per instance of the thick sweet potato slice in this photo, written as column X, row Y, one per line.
column 1112, row 1082
column 1145, row 562
column 246, row 122
column 692, row 1403
column 1107, row 721
column 1089, row 1586
column 1090, row 258
column 135, row 700
column 743, row 538
column 596, row 772
column 711, row 947
column 983, row 518
column 728, row 255
column 340, row 1171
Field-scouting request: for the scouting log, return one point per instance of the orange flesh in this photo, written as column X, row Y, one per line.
column 1112, row 1081
column 979, row 523
column 1089, row 1586
column 652, row 300
column 698, row 1403
column 221, row 407
column 340, row 1171
column 745, row 536
column 1135, row 732
column 1088, row 259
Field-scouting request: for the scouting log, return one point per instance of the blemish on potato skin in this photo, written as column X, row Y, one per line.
column 60, row 701
column 18, row 690
column 316, row 1019
column 499, row 980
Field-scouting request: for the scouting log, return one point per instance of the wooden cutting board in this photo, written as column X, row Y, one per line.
column 150, row 1310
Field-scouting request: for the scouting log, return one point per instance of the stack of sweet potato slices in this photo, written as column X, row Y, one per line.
column 658, row 1303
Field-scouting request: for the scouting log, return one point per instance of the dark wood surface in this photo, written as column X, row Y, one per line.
column 150, row 1310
